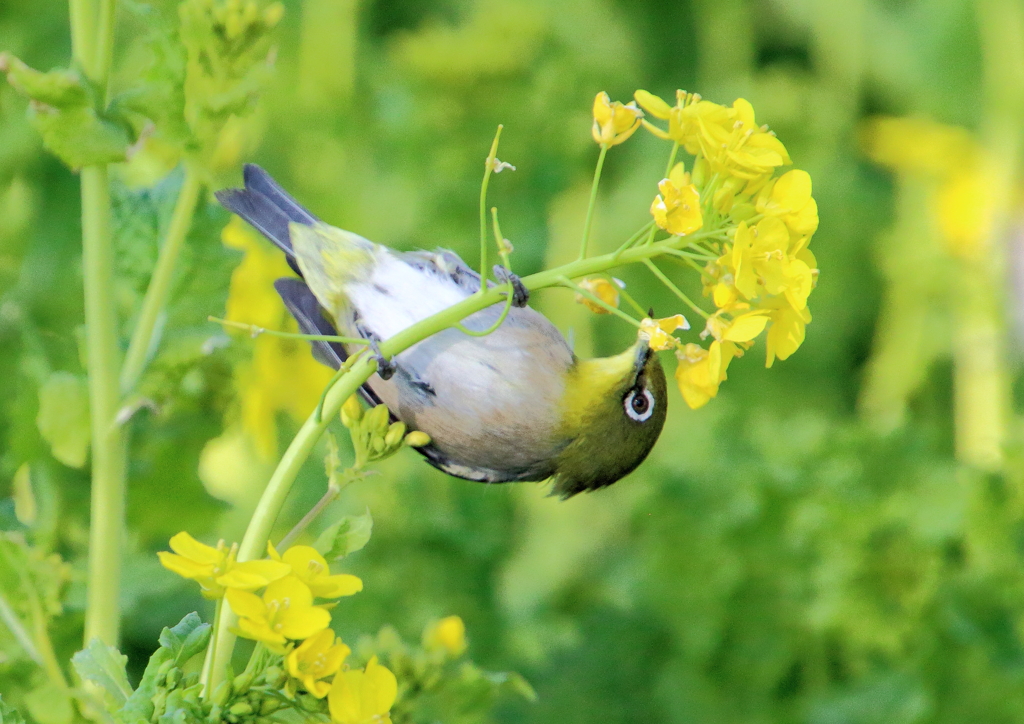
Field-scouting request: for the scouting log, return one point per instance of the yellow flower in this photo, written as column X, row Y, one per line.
column 787, row 332
column 285, row 611
column 658, row 332
column 601, row 288
column 965, row 206
column 700, row 371
column 318, row 657
column 363, row 697
column 789, row 198
column 677, row 208
column 742, row 328
column 758, row 258
column 917, row 145
column 311, row 568
column 448, row 634
column 216, row 569
column 282, row 376
column 614, row 122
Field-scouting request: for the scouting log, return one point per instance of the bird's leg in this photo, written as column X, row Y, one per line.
column 520, row 294
column 385, row 367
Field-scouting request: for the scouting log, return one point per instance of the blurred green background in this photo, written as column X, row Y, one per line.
column 822, row 543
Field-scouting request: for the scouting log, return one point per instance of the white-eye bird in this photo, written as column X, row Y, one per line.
column 514, row 405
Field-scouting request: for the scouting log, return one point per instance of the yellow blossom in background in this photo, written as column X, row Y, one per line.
column 677, row 208
column 319, row 656
column 448, row 634
column 700, row 371
column 613, row 121
column 282, row 376
column 965, row 208
column 363, row 697
column 601, row 288
column 658, row 332
column 285, row 611
column 311, row 568
column 215, row 569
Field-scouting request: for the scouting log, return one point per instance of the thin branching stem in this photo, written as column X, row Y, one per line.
column 255, row 331
column 675, row 290
column 593, row 201
column 488, row 170
column 568, row 284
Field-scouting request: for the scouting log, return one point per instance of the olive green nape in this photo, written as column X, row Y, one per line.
column 329, row 258
column 606, row 444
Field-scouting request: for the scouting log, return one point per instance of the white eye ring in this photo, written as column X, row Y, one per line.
column 645, row 403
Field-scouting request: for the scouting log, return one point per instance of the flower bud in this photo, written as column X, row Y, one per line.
column 222, row 693
column 395, row 434
column 242, row 682
column 269, row 706
column 351, row 411
column 240, row 709
column 416, row 438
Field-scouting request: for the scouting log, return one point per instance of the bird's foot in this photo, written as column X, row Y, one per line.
column 520, row 294
column 385, row 367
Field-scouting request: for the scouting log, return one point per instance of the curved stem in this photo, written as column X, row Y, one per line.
column 504, row 313
column 488, row 169
column 144, row 335
column 258, row 533
column 593, row 201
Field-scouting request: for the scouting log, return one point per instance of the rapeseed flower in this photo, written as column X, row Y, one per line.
column 316, row 658
column 700, row 371
column 284, row 612
column 311, row 568
column 605, row 290
column 363, row 697
column 448, row 634
column 677, row 208
column 658, row 332
column 215, row 568
column 613, row 121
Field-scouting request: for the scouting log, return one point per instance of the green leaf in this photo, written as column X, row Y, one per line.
column 177, row 644
column 104, row 666
column 78, row 136
column 346, row 536
column 186, row 639
column 25, row 507
column 50, row 704
column 60, row 88
column 8, row 714
column 63, row 418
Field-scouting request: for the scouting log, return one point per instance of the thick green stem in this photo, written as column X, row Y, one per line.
column 144, row 334
column 593, row 201
column 108, row 446
column 92, row 37
column 258, row 533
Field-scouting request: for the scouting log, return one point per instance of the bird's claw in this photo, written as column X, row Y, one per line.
column 520, row 294
column 385, row 367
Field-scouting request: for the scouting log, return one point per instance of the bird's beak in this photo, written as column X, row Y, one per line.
column 643, row 353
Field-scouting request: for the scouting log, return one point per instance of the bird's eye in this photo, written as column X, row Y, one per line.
column 639, row 404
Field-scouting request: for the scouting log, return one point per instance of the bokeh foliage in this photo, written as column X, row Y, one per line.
column 781, row 557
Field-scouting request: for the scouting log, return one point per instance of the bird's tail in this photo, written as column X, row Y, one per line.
column 267, row 206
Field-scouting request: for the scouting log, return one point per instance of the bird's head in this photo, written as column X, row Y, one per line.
column 612, row 413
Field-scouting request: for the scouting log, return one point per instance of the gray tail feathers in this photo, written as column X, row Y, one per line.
column 267, row 207
column 313, row 320
column 310, row 316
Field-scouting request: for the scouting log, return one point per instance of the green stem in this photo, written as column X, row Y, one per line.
column 593, row 201
column 675, row 290
column 13, row 623
column 488, row 169
column 92, row 29
column 255, row 331
column 254, row 542
column 599, row 302
column 108, row 444
column 672, row 159
column 632, row 302
column 500, row 240
column 211, row 649
column 144, row 337
column 332, row 492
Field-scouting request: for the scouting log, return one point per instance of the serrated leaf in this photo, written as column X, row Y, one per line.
column 50, row 704
column 25, row 507
column 61, row 88
column 8, row 714
column 63, row 418
column 186, row 639
column 104, row 666
column 346, row 536
column 178, row 644
column 79, row 137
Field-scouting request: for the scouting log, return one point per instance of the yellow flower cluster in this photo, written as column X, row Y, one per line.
column 287, row 620
column 754, row 227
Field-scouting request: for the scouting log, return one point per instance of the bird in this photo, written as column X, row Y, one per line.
column 514, row 405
